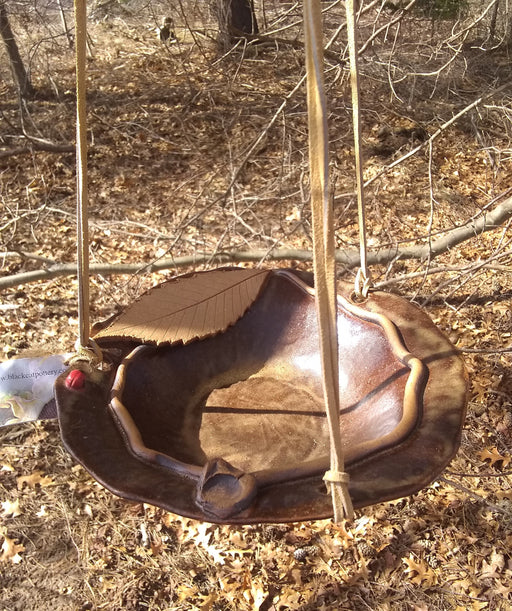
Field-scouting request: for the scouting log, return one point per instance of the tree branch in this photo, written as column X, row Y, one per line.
column 348, row 258
column 39, row 144
column 476, row 497
column 439, row 131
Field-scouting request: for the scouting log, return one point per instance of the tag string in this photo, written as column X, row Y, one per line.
column 85, row 346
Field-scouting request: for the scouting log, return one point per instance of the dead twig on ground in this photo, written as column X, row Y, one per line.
column 38, row 144
column 348, row 258
column 476, row 497
column 436, row 134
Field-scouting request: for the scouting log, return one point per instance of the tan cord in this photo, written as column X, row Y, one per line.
column 84, row 342
column 363, row 281
column 323, row 255
column 81, row 172
column 89, row 355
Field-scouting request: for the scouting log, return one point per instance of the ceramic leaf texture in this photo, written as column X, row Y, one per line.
column 189, row 308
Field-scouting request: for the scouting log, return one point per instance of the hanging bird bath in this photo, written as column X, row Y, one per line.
column 213, row 408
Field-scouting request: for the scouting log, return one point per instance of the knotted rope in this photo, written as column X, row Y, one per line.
column 324, row 255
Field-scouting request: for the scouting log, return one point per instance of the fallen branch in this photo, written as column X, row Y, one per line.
column 476, row 497
column 264, row 39
column 439, row 131
column 51, row 147
column 39, row 144
column 446, row 269
column 485, row 351
column 10, row 254
column 348, row 258
column 35, row 143
column 19, row 150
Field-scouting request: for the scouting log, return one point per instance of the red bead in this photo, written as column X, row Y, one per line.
column 75, row 379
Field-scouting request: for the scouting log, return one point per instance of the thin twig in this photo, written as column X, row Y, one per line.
column 457, row 474
column 27, row 255
column 484, row 351
column 435, row 135
column 475, row 496
column 39, row 145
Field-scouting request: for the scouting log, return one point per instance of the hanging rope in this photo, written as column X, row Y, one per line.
column 86, row 348
column 324, row 255
column 363, row 280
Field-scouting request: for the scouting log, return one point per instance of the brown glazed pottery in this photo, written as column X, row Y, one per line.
column 228, row 425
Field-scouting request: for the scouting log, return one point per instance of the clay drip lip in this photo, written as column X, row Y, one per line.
column 411, row 412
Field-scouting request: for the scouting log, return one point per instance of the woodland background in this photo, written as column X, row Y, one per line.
column 198, row 157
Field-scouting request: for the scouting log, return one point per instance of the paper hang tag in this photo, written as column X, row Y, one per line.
column 26, row 385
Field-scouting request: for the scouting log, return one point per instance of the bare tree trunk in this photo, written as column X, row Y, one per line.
column 236, row 18
column 18, row 68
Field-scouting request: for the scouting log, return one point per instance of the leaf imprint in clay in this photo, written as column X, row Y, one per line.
column 189, row 308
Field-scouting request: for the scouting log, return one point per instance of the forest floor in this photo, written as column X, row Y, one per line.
column 173, row 173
